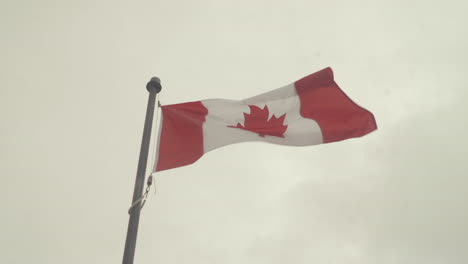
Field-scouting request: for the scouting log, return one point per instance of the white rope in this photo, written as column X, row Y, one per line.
column 155, row 142
column 149, row 180
column 155, row 134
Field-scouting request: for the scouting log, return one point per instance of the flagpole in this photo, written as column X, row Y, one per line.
column 153, row 87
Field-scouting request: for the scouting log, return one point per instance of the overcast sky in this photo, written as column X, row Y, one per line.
column 72, row 105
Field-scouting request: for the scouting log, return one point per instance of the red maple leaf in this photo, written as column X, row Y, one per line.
column 257, row 121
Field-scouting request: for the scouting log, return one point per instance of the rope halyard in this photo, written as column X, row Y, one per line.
column 143, row 198
column 149, row 182
column 156, row 132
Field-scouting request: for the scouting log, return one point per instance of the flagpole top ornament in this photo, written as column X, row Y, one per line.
column 154, row 84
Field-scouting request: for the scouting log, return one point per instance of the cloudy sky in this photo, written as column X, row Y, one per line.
column 73, row 98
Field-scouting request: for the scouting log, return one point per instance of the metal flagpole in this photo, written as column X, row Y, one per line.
column 153, row 87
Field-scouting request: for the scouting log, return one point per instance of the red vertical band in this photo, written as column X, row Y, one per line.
column 338, row 116
column 181, row 138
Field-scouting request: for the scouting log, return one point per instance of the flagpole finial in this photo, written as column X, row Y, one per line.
column 154, row 84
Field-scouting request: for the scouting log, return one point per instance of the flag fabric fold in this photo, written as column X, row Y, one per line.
column 310, row 111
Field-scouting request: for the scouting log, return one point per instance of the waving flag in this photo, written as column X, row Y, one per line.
column 311, row 111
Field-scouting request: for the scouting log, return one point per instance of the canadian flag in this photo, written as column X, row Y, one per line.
column 310, row 111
